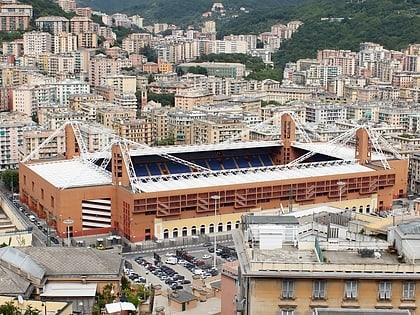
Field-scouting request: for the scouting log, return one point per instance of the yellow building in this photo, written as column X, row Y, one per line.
column 188, row 99
column 288, row 267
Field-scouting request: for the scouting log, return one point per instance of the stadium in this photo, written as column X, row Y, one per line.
column 144, row 193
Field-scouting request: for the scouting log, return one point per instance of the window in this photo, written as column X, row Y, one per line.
column 220, row 227
column 288, row 289
column 350, row 291
column 286, row 312
column 385, row 290
column 408, row 290
column 319, row 289
column 175, row 232
column 166, row 233
column 228, row 226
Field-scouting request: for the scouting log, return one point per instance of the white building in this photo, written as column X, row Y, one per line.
column 67, row 87
column 37, row 43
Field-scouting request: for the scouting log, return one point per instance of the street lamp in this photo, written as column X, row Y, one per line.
column 68, row 222
column 215, row 198
column 340, row 185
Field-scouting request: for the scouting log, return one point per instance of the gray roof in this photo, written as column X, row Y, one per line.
column 216, row 284
column 269, row 219
column 182, row 296
column 412, row 227
column 20, row 260
column 12, row 284
column 59, row 261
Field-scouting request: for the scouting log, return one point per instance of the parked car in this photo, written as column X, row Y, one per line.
column 206, row 256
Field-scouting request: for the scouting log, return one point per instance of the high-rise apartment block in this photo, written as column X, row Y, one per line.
column 54, row 25
column 37, row 43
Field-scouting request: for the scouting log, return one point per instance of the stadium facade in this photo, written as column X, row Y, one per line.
column 146, row 193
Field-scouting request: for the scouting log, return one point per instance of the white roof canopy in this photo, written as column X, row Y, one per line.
column 119, row 306
column 66, row 289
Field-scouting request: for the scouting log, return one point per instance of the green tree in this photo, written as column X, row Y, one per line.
column 10, row 178
column 9, row 308
column 167, row 141
column 197, row 70
column 149, row 52
column 166, row 99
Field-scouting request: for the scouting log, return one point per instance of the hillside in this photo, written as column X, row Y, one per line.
column 182, row 12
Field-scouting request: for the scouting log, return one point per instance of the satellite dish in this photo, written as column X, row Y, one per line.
column 20, row 299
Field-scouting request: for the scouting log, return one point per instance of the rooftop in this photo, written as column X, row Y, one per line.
column 71, row 173
column 255, row 175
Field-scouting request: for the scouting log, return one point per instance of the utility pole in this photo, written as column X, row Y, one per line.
column 291, row 199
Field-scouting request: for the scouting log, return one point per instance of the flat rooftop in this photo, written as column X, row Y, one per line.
column 71, row 173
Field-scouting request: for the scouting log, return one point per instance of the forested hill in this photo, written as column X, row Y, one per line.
column 391, row 23
column 183, row 12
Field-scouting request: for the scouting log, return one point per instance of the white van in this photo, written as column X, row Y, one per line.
column 171, row 260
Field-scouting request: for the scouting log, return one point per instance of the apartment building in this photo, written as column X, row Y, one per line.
column 65, row 42
column 67, row 87
column 101, row 66
column 55, row 25
column 107, row 113
column 218, row 129
column 62, row 67
column 96, row 136
column 15, row 16
column 228, row 47
column 67, row 5
column 75, row 100
column 250, row 39
column 12, row 126
column 14, row 48
column 29, row 99
column 134, row 129
column 125, row 99
column 33, row 138
column 218, row 69
column 325, row 114
column 81, row 24
column 134, row 42
column 87, row 40
column 159, row 118
column 85, row 11
column 188, row 99
column 37, row 43
column 53, row 117
column 137, row 20
column 291, row 266
column 287, row 94
column 11, row 75
column 122, row 83
column 13, row 21
column 180, row 125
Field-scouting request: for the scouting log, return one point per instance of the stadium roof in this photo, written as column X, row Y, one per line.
column 203, row 147
column 71, row 173
column 332, row 149
column 256, row 175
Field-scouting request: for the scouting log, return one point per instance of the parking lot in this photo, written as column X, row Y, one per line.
column 175, row 269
